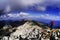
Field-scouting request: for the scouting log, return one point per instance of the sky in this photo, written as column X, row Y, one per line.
column 39, row 10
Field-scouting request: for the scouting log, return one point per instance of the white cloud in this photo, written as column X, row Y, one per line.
column 23, row 14
column 29, row 16
column 11, row 15
column 29, row 2
column 41, row 16
column 50, row 17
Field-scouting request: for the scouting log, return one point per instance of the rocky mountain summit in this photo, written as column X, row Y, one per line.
column 30, row 30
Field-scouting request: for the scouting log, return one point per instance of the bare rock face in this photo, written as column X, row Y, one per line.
column 28, row 29
column 31, row 30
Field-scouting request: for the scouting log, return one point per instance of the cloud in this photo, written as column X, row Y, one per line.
column 24, row 14
column 50, row 17
column 41, row 16
column 39, row 5
column 44, row 16
column 29, row 2
column 29, row 16
column 21, row 14
column 41, row 8
column 37, row 2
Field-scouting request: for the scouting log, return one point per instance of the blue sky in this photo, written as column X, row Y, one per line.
column 42, row 10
